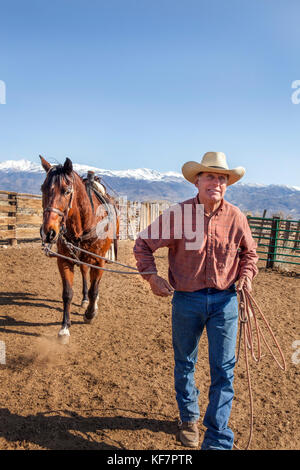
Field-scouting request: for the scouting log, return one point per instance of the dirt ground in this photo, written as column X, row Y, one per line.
column 111, row 387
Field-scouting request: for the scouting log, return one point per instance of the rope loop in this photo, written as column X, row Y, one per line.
column 248, row 308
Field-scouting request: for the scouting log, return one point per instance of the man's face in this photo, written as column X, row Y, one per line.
column 211, row 186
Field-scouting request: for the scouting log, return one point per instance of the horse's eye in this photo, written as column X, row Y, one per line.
column 67, row 191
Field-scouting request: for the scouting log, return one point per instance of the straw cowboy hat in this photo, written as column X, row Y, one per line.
column 214, row 162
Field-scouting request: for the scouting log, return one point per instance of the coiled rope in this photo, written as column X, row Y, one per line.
column 248, row 309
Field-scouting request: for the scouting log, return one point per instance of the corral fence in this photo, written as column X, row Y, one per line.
column 278, row 240
column 136, row 216
column 21, row 217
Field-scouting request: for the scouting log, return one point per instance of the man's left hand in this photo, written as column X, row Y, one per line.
column 244, row 283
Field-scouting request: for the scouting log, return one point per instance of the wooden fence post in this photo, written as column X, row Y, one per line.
column 12, row 199
column 273, row 242
column 297, row 237
column 261, row 226
column 286, row 234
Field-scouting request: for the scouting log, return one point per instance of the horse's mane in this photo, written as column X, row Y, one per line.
column 56, row 175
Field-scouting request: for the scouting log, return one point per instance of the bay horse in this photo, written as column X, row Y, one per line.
column 72, row 213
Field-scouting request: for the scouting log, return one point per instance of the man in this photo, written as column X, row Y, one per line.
column 202, row 282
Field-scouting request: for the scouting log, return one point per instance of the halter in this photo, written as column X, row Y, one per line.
column 53, row 209
column 64, row 213
column 85, row 235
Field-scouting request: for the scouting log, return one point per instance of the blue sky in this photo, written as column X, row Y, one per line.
column 123, row 84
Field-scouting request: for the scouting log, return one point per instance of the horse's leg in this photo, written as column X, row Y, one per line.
column 67, row 274
column 91, row 311
column 84, row 273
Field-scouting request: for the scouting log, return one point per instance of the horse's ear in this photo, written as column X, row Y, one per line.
column 45, row 164
column 68, row 166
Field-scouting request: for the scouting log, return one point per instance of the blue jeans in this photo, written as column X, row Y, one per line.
column 217, row 311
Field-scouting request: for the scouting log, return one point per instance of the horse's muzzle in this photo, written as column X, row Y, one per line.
column 49, row 237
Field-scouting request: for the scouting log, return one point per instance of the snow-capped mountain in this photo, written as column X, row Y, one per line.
column 19, row 165
column 140, row 173
column 148, row 184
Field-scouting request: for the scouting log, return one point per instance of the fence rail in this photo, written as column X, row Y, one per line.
column 278, row 240
column 21, row 217
column 283, row 238
column 136, row 216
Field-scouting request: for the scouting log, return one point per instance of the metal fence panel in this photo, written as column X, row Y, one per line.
column 283, row 236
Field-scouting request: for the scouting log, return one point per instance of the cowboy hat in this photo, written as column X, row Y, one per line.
column 213, row 162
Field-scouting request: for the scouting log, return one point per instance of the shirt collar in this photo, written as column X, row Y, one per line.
column 220, row 208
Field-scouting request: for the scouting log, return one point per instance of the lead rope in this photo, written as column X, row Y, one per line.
column 72, row 247
column 248, row 309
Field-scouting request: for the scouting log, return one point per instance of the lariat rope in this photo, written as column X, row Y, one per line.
column 248, row 309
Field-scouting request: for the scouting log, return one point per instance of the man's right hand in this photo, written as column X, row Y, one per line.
column 160, row 286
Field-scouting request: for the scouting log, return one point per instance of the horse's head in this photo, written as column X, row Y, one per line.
column 57, row 194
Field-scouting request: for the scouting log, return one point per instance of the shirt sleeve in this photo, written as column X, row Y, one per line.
column 248, row 255
column 147, row 242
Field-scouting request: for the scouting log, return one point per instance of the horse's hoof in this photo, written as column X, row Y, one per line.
column 63, row 339
column 64, row 336
column 89, row 320
column 84, row 303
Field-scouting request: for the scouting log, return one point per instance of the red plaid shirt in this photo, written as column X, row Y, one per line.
column 227, row 252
